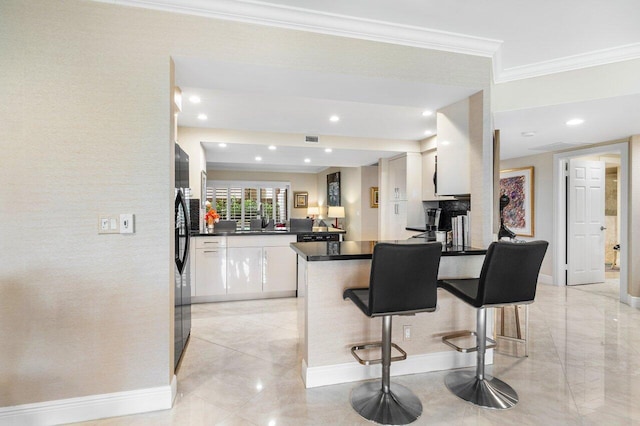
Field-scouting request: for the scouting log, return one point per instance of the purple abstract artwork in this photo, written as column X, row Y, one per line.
column 514, row 213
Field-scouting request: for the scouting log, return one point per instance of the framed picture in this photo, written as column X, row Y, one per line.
column 517, row 184
column 203, row 189
column 300, row 200
column 373, row 197
column 333, row 189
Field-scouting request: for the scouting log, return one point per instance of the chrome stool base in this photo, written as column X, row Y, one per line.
column 489, row 392
column 397, row 407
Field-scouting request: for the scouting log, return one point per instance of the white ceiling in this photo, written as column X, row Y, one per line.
column 524, row 39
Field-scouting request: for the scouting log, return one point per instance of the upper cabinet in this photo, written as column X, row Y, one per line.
column 398, row 178
column 453, row 167
column 400, row 196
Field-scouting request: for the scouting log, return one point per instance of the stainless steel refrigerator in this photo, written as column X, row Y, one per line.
column 182, row 294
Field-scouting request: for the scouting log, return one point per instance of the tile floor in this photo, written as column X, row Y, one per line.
column 241, row 368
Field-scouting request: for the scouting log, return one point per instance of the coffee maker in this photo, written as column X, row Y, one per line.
column 432, row 223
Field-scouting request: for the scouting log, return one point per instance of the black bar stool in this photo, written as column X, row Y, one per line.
column 509, row 277
column 403, row 281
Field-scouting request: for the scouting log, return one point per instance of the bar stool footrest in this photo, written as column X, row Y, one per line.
column 465, row 333
column 373, row 345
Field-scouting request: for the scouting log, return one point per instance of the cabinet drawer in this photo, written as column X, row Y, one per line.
column 261, row 240
column 210, row 242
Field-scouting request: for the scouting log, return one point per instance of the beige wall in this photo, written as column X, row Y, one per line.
column 634, row 216
column 543, row 201
column 368, row 214
column 86, row 130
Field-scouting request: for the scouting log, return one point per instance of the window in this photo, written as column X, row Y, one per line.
column 243, row 201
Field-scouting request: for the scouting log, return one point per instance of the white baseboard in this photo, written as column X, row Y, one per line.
column 634, row 301
column 353, row 372
column 545, row 279
column 91, row 407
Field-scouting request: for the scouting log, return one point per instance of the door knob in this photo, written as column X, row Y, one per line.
column 602, row 228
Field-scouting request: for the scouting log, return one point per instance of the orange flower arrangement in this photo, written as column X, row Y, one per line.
column 212, row 216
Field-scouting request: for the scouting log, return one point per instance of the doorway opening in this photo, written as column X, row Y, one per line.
column 614, row 158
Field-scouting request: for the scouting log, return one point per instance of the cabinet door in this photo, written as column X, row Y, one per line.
column 398, row 178
column 211, row 271
column 244, row 270
column 279, row 269
column 453, row 149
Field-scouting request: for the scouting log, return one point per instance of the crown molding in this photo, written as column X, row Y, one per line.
column 568, row 63
column 261, row 13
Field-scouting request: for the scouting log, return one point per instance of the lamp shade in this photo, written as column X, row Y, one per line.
column 313, row 211
column 336, row 211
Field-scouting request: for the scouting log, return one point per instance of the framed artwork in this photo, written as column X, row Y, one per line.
column 300, row 200
column 203, row 189
column 333, row 189
column 517, row 184
column 373, row 197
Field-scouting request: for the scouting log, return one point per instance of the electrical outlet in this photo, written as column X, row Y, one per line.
column 407, row 332
column 126, row 223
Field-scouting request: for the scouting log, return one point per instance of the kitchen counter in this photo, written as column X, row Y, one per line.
column 315, row 231
column 350, row 250
column 328, row 325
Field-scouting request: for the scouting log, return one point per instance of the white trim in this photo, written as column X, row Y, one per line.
column 568, row 63
column 546, row 279
column 634, row 302
column 91, row 407
column 559, row 213
column 353, row 372
column 295, row 18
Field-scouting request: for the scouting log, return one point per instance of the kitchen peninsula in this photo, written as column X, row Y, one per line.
column 328, row 326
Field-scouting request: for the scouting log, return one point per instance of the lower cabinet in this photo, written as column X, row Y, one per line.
column 244, row 270
column 243, row 267
column 279, row 265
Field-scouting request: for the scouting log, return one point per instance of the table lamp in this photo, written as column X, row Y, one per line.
column 312, row 212
column 336, row 212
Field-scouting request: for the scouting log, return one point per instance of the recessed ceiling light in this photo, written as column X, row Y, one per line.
column 272, row 147
column 202, row 116
column 334, row 118
column 258, row 158
column 194, row 99
column 528, row 134
column 222, row 145
column 307, row 160
column 328, row 150
column 427, row 113
column 428, row 132
column 575, row 122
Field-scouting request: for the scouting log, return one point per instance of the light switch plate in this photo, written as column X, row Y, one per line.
column 108, row 224
column 126, row 223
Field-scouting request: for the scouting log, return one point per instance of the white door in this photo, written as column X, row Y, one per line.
column 585, row 239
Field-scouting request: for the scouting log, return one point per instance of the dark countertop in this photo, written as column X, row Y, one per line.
column 315, row 231
column 350, row 250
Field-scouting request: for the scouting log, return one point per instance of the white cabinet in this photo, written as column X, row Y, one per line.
column 454, row 149
column 401, row 197
column 279, row 265
column 398, row 178
column 244, row 273
column 243, row 267
column 209, row 267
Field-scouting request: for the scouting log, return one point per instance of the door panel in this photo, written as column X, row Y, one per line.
column 586, row 222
